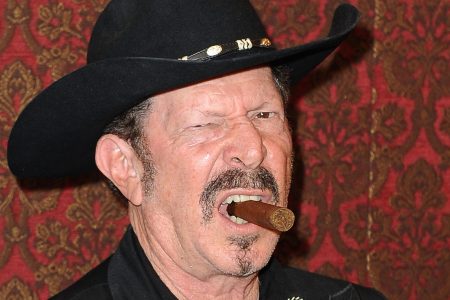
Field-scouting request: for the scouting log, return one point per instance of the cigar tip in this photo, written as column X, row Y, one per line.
column 282, row 219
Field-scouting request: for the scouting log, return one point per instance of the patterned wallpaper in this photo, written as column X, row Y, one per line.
column 372, row 132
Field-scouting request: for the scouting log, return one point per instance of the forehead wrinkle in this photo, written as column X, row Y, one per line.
column 230, row 97
column 232, row 87
column 209, row 105
column 209, row 101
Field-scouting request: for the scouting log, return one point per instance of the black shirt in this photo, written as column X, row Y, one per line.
column 128, row 274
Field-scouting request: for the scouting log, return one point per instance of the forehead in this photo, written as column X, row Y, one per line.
column 249, row 87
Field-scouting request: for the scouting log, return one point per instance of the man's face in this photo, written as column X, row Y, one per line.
column 211, row 142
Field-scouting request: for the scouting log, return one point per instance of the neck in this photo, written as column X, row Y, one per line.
column 186, row 286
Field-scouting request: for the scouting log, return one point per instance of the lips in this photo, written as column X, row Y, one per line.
column 237, row 198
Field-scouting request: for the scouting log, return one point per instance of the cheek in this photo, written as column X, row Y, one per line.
column 279, row 149
column 183, row 171
column 203, row 159
column 279, row 158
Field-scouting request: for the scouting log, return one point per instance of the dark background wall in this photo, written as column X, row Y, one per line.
column 372, row 126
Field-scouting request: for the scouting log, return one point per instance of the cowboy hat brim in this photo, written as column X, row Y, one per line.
column 56, row 134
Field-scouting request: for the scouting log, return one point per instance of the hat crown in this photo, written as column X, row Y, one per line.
column 170, row 29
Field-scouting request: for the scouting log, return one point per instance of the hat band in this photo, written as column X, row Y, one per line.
column 217, row 50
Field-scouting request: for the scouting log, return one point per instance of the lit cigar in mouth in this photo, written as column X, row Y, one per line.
column 262, row 214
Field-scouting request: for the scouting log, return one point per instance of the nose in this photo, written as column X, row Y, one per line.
column 245, row 147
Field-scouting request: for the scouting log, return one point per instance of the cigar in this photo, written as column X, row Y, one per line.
column 262, row 214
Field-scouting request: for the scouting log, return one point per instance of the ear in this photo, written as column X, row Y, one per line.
column 117, row 160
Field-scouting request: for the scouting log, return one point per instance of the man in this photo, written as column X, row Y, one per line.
column 182, row 107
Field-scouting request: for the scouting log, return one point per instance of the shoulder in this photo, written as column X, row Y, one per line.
column 93, row 285
column 303, row 284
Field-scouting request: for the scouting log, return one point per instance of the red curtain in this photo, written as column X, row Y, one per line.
column 372, row 126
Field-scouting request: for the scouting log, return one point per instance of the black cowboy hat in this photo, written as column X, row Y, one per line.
column 141, row 48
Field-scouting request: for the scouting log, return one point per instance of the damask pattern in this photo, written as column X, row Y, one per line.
column 372, row 132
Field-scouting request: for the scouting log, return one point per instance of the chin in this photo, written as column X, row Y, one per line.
column 251, row 254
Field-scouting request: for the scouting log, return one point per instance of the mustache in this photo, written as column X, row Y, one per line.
column 259, row 179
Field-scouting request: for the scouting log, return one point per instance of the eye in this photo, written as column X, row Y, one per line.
column 264, row 115
column 204, row 125
column 200, row 125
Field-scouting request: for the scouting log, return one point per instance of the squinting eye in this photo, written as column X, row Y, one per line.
column 199, row 125
column 264, row 115
column 203, row 125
